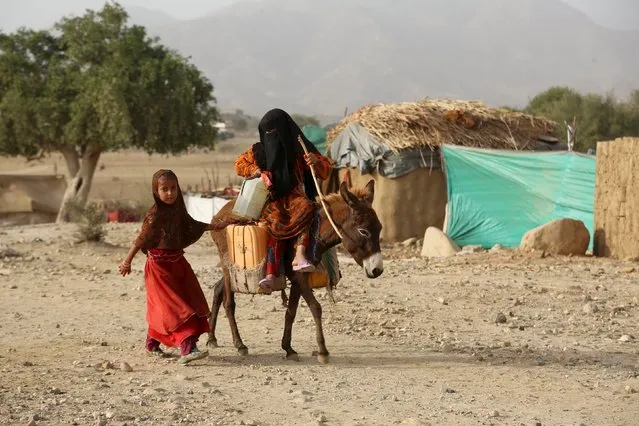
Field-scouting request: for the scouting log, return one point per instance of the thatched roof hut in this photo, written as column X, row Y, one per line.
column 433, row 122
column 397, row 145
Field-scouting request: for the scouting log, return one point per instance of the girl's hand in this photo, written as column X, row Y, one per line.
column 124, row 268
column 257, row 174
column 311, row 159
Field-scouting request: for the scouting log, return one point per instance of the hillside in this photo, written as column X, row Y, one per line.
column 313, row 57
column 320, row 57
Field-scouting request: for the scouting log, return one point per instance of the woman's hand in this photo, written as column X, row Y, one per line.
column 311, row 159
column 217, row 225
column 256, row 175
column 124, row 268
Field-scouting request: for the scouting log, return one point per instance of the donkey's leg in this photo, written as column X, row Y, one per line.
column 229, row 307
column 289, row 318
column 316, row 310
column 284, row 298
column 218, row 298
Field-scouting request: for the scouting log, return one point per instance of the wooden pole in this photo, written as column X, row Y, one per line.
column 319, row 191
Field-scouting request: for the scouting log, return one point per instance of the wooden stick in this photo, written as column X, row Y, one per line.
column 319, row 191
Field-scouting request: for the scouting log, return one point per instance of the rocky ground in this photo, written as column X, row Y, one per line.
column 501, row 337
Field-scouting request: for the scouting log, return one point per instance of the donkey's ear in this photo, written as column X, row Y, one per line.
column 370, row 191
column 350, row 199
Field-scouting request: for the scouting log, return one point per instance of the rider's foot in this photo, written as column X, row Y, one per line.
column 266, row 285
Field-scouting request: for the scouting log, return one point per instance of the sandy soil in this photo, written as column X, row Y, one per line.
column 423, row 344
column 501, row 338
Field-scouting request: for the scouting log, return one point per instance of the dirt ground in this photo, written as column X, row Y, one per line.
column 502, row 338
column 423, row 344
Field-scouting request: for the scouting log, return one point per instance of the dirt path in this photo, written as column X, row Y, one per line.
column 419, row 345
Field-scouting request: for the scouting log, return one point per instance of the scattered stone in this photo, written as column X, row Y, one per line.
column 446, row 347
column 559, row 237
column 540, row 361
column 493, row 414
column 625, row 338
column 473, row 249
column 497, row 247
column 590, row 308
column 438, row 244
column 126, row 367
column 27, row 364
column 32, row 422
column 442, row 301
column 6, row 251
column 501, row 318
column 106, row 365
column 630, row 390
column 628, row 270
column 410, row 242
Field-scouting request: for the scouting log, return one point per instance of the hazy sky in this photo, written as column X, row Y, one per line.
column 38, row 13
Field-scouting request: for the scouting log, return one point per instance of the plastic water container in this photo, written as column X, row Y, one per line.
column 251, row 200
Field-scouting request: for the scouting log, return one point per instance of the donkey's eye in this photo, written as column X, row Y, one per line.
column 364, row 232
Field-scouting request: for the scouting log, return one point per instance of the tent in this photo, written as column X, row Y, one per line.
column 397, row 145
column 317, row 135
column 495, row 197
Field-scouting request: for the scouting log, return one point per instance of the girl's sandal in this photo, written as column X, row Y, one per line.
column 194, row 355
column 158, row 353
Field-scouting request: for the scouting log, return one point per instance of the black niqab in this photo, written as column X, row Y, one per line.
column 277, row 152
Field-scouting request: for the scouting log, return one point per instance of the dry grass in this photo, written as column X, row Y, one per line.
column 433, row 122
column 91, row 225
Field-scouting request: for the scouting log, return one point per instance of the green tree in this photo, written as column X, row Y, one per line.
column 95, row 85
column 599, row 117
column 303, row 120
column 239, row 123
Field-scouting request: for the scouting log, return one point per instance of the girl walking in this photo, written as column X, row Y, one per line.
column 177, row 312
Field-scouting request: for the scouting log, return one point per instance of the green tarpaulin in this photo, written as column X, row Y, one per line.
column 495, row 197
column 317, row 135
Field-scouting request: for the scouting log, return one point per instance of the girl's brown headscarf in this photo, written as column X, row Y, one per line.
column 168, row 226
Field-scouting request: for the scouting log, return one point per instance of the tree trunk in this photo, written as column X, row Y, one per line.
column 79, row 184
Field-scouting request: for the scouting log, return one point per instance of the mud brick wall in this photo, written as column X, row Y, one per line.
column 617, row 199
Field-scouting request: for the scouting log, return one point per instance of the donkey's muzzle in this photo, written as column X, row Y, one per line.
column 374, row 265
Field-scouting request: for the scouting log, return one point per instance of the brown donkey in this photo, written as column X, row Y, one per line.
column 356, row 220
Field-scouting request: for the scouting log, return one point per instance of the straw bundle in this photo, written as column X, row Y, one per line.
column 433, row 122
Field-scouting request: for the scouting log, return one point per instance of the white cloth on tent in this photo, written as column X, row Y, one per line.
column 203, row 209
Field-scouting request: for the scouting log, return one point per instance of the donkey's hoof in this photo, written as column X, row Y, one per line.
column 243, row 351
column 293, row 357
column 323, row 359
column 212, row 343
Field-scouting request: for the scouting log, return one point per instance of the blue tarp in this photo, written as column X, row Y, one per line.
column 495, row 197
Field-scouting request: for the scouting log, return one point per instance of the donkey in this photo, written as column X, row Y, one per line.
column 356, row 220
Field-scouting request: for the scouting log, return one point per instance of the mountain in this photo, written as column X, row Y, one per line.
column 319, row 57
